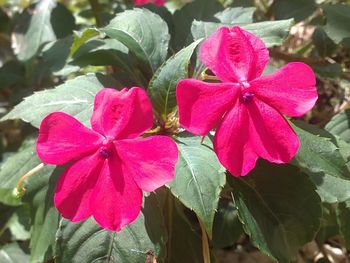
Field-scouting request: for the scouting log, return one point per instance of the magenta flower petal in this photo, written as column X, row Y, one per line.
column 122, row 114
column 74, row 187
column 234, row 55
column 62, row 139
column 290, row 89
column 232, row 141
column 117, row 199
column 271, row 135
column 143, row 2
column 202, row 105
column 150, row 161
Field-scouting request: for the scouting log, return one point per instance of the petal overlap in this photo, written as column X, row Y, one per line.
column 122, row 114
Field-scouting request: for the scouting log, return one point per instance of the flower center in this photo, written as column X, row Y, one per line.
column 106, row 150
column 247, row 96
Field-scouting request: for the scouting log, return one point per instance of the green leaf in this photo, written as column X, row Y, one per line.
column 56, row 53
column 184, row 244
column 236, row 15
column 162, row 86
column 13, row 168
column 338, row 20
column 61, row 13
column 40, row 189
column 74, row 97
column 279, row 209
column 144, row 33
column 80, row 37
column 12, row 253
column 340, row 125
column 196, row 10
column 87, row 242
column 329, row 70
column 227, row 228
column 39, row 30
column 271, row 32
column 343, row 215
column 199, row 178
column 324, row 45
column 318, row 152
column 297, row 9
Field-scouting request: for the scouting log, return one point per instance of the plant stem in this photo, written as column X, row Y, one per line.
column 205, row 244
column 20, row 183
column 95, row 7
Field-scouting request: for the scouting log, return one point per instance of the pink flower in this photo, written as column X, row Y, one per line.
column 108, row 164
column 246, row 107
column 143, row 2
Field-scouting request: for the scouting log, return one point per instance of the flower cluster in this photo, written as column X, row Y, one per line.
column 143, row 2
column 110, row 164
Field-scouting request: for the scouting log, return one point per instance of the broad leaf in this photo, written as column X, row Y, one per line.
column 184, row 243
column 338, row 20
column 203, row 10
column 199, row 178
column 271, row 32
column 38, row 32
column 39, row 193
column 15, row 166
column 340, row 125
column 343, row 215
column 162, row 86
column 144, row 33
column 319, row 153
column 12, row 253
column 87, row 242
column 74, row 97
column 236, row 15
column 297, row 9
column 279, row 209
column 227, row 228
column 80, row 37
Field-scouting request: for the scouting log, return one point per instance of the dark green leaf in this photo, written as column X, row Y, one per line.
column 144, row 33
column 343, row 215
column 338, row 20
column 87, row 242
column 329, row 70
column 272, row 202
column 196, row 10
column 199, row 178
column 297, row 9
column 74, row 97
column 184, row 244
column 162, row 86
column 324, row 45
column 61, row 13
column 39, row 194
column 227, row 228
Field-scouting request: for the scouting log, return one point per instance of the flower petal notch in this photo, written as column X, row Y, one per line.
column 110, row 164
column 243, row 106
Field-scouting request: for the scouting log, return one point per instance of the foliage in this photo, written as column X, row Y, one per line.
column 47, row 67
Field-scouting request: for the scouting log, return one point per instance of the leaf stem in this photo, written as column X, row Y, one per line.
column 205, row 244
column 20, row 183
